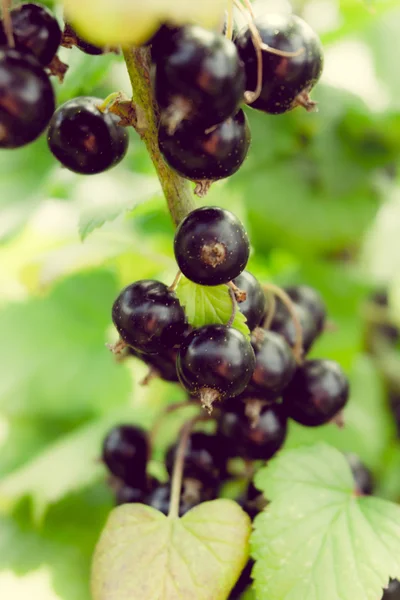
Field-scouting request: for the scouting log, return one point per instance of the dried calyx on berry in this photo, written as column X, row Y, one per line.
column 70, row 38
column 288, row 78
column 211, row 246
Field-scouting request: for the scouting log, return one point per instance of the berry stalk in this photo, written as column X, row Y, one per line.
column 176, row 190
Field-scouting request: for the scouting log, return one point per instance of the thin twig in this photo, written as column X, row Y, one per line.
column 229, row 24
column 168, row 410
column 8, row 27
column 176, row 281
column 270, row 311
column 234, row 307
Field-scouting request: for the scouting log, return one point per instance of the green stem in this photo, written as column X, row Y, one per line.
column 176, row 190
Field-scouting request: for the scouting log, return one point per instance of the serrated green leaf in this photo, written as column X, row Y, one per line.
column 209, row 304
column 144, row 554
column 317, row 540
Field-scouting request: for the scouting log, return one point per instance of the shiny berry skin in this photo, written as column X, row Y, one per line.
column 164, row 363
column 311, row 300
column 125, row 452
column 283, row 78
column 129, row 495
column 35, row 30
column 258, row 440
column 215, row 357
column 206, row 156
column 282, row 323
column 318, row 391
column 84, row 139
column 211, row 246
column 362, row 476
column 26, row 99
column 254, row 307
column 275, row 363
column 392, row 592
column 199, row 77
column 204, row 458
column 71, row 38
column 148, row 316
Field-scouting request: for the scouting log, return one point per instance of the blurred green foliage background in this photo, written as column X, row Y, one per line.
column 320, row 197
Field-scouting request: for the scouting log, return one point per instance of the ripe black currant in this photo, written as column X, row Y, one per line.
column 159, row 498
column 311, row 300
column 148, row 316
column 26, row 99
column 392, row 592
column 204, row 458
column 35, row 30
column 84, row 139
column 125, row 452
column 211, row 246
column 275, row 363
column 164, row 363
column 206, row 156
column 257, row 439
column 282, row 323
column 71, row 38
column 317, row 393
column 199, row 77
column 254, row 306
column 127, row 494
column 162, row 43
column 286, row 81
column 362, row 476
column 215, row 361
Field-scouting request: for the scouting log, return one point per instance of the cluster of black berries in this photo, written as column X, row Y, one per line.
column 200, row 80
column 256, row 381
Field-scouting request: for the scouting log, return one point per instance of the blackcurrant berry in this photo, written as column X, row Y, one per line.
column 206, row 156
column 160, row 497
column 286, row 81
column 125, row 452
column 71, row 38
column 204, row 458
column 311, row 300
column 317, row 393
column 162, row 43
column 254, row 306
column 127, row 494
column 84, row 139
column 200, row 77
column 392, row 592
column 275, row 363
column 282, row 323
column 215, row 361
column 211, row 246
column 163, row 363
column 362, row 476
column 26, row 99
column 36, row 30
column 148, row 316
column 256, row 439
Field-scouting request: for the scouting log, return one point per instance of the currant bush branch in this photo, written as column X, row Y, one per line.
column 176, row 190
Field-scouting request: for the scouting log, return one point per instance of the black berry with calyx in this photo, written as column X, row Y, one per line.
column 283, row 324
column 206, row 156
column 286, row 80
column 211, row 246
column 26, row 99
column 362, row 476
column 125, row 452
column 275, row 363
column 35, row 30
column 317, row 393
column 254, row 306
column 71, row 38
column 148, row 316
column 204, row 458
column 215, row 362
column 311, row 300
column 392, row 592
column 84, row 139
column 254, row 438
column 127, row 494
column 199, row 77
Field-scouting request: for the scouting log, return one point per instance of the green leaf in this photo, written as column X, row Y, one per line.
column 109, row 196
column 144, row 554
column 317, row 540
column 54, row 360
column 209, row 304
